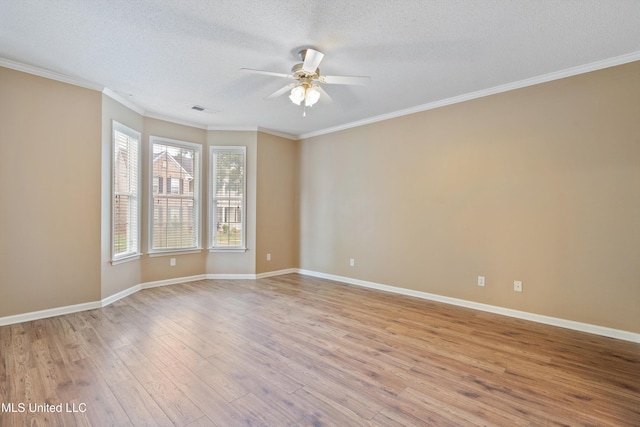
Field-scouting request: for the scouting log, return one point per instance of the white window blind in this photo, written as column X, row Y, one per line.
column 227, row 204
column 126, row 192
column 175, row 177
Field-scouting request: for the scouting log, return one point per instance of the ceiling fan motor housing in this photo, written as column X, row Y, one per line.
column 298, row 72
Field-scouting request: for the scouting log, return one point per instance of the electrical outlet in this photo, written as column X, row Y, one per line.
column 172, row 262
column 268, row 257
column 517, row 285
column 480, row 280
column 352, row 262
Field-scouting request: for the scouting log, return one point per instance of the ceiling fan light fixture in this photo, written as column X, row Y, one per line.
column 311, row 97
column 297, row 95
column 308, row 81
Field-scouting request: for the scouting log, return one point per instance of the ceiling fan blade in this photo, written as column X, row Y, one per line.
column 280, row 91
column 324, row 96
column 312, row 59
column 266, row 73
column 345, row 80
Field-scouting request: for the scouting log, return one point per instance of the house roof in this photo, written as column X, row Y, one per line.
column 185, row 163
column 162, row 57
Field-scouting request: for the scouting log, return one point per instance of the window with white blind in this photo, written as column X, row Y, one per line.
column 227, row 202
column 126, row 193
column 175, row 200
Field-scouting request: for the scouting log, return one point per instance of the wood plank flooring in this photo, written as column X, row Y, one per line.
column 294, row 350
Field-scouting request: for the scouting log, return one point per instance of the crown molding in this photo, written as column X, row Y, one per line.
column 52, row 75
column 544, row 78
column 174, row 120
column 122, row 100
column 233, row 128
column 569, row 72
column 280, row 134
column 253, row 129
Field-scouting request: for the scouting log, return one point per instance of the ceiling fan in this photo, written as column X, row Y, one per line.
column 308, row 79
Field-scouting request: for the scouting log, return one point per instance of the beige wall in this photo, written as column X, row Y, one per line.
column 276, row 218
column 119, row 277
column 50, row 152
column 540, row 184
column 157, row 267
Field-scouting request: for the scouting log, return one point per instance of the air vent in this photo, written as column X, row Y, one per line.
column 197, row 108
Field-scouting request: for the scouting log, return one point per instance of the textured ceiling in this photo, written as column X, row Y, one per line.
column 164, row 56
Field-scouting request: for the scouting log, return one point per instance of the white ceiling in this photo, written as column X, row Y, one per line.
column 164, row 56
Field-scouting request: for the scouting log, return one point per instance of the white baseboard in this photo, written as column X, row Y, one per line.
column 231, row 276
column 52, row 312
column 59, row 311
column 115, row 297
column 276, row 273
column 547, row 320
column 554, row 321
column 167, row 282
column 244, row 276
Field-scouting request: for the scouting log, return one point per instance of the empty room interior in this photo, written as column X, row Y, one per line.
column 320, row 213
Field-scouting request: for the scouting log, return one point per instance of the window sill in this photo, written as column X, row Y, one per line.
column 174, row 252
column 228, row 249
column 127, row 258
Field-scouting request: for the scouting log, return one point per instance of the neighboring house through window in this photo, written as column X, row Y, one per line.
column 227, row 203
column 126, row 192
column 175, row 219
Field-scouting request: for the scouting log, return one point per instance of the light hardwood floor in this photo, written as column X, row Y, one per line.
column 296, row 350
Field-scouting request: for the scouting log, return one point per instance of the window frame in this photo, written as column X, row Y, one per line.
column 133, row 252
column 242, row 247
column 197, row 196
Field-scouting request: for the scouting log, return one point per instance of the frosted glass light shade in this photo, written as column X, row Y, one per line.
column 297, row 95
column 312, row 96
